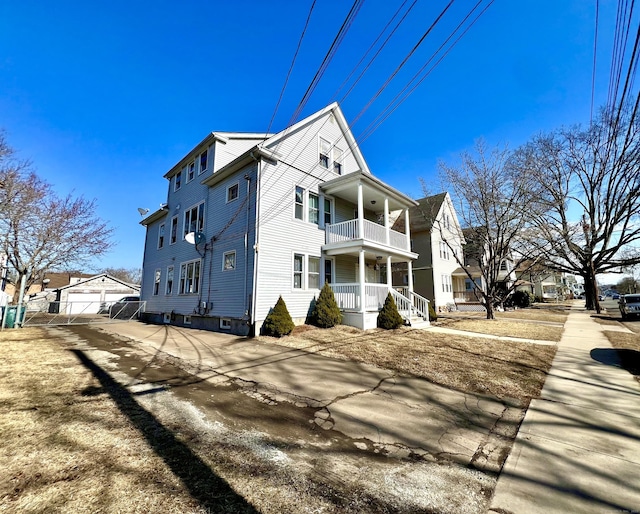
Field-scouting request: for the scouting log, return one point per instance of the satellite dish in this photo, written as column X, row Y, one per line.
column 194, row 238
column 143, row 211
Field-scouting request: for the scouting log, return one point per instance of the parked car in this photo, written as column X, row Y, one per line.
column 615, row 296
column 629, row 305
column 126, row 307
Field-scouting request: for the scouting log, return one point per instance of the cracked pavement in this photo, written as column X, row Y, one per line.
column 377, row 408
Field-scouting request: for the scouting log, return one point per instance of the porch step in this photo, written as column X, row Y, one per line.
column 417, row 322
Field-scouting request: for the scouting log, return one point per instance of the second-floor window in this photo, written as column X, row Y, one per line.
column 232, row 192
column 194, row 219
column 314, row 208
column 328, row 211
column 299, row 203
column 444, row 251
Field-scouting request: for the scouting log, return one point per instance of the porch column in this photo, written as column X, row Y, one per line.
column 361, row 281
column 410, row 277
column 386, row 220
column 407, row 230
column 389, row 277
column 360, row 212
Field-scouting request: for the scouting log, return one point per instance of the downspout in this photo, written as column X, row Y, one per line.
column 256, row 245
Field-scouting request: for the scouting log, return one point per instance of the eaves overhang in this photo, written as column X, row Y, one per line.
column 253, row 155
column 155, row 216
column 374, row 190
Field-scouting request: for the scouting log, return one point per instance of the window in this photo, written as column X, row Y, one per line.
column 161, row 236
column 229, row 261
column 156, row 282
column 313, row 208
column 194, row 219
column 225, row 323
column 298, row 261
column 337, row 160
column 299, row 201
column 328, row 271
column 328, row 211
column 503, row 266
column 446, row 284
column 444, row 251
column 191, row 171
column 313, row 279
column 325, row 152
column 178, row 181
column 190, row 277
column 169, row 287
column 203, row 162
column 232, row 192
column 187, row 320
column 174, row 229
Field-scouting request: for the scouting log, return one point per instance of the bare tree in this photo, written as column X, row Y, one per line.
column 494, row 204
column 591, row 183
column 40, row 231
column 129, row 275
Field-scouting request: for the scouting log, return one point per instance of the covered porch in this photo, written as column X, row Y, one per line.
column 373, row 246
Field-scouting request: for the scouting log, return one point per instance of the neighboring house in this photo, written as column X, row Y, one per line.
column 251, row 217
column 437, row 238
column 44, row 287
column 91, row 295
column 546, row 284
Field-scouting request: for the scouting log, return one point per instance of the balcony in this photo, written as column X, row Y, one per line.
column 373, row 233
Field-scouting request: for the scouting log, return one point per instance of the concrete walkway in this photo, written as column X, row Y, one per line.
column 578, row 448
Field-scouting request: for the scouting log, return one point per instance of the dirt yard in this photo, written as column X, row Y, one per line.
column 89, row 426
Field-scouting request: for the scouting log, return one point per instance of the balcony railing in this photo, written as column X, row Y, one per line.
column 374, row 232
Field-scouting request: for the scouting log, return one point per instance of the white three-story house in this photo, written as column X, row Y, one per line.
column 251, row 217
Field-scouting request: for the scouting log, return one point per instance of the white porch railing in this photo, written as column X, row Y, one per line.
column 348, row 231
column 409, row 304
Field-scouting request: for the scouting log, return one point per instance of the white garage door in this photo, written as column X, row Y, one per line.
column 83, row 303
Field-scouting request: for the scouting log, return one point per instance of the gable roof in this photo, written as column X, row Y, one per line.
column 421, row 216
column 96, row 277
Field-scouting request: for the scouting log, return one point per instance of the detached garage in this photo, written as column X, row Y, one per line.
column 93, row 295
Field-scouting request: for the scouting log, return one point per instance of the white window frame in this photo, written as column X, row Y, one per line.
column 201, row 169
column 237, row 189
column 324, row 158
column 196, row 264
column 225, row 324
column 304, row 273
column 177, row 181
column 332, row 263
column 173, row 235
column 157, row 275
column 313, row 211
column 197, row 223
column 224, row 260
column 161, row 235
column 190, row 171
column 187, row 319
column 169, row 281
column 337, row 159
column 301, row 203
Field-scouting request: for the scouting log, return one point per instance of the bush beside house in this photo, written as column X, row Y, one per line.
column 278, row 322
column 389, row 317
column 326, row 313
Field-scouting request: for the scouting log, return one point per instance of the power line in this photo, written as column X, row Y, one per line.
column 295, row 55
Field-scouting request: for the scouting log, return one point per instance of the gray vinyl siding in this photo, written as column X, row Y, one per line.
column 346, row 269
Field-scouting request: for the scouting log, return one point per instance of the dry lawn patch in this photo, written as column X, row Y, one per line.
column 547, row 314
column 474, row 365
column 508, row 328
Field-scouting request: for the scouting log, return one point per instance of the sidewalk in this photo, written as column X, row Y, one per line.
column 578, row 448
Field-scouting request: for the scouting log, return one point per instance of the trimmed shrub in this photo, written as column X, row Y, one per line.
column 433, row 316
column 521, row 299
column 278, row 323
column 389, row 317
column 326, row 313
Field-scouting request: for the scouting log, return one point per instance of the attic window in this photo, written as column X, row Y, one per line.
column 203, row 162
column 337, row 160
column 325, row 152
column 178, row 181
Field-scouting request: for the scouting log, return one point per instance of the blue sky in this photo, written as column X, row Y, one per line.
column 104, row 97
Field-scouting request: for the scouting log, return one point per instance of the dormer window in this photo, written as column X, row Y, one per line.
column 325, row 153
column 192, row 171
